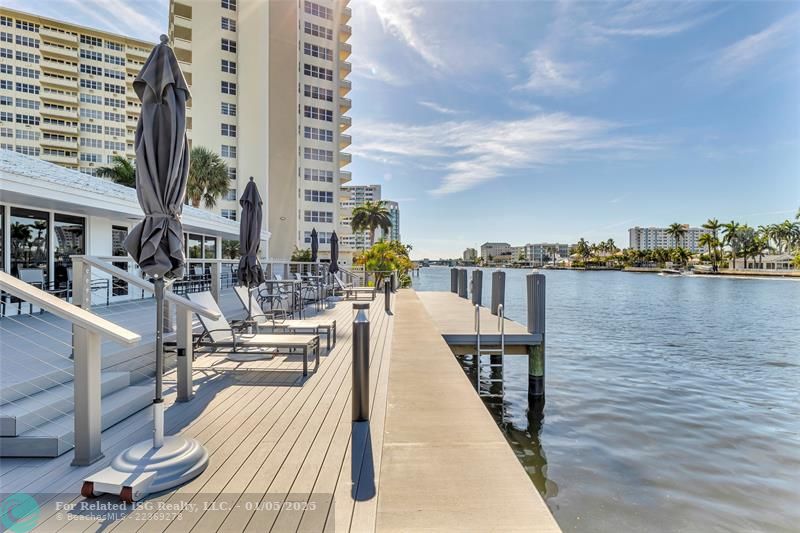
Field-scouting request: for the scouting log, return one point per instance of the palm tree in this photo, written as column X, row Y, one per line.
column 710, row 241
column 121, row 171
column 583, row 249
column 208, row 177
column 370, row 216
column 681, row 255
column 730, row 237
column 676, row 231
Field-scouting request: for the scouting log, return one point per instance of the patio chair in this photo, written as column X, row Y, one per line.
column 350, row 290
column 221, row 336
column 277, row 321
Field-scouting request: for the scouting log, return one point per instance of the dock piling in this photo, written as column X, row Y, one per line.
column 454, row 280
column 361, row 363
column 498, row 290
column 477, row 286
column 535, row 284
column 462, row 282
column 387, row 296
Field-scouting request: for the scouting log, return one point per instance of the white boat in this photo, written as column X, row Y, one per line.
column 670, row 272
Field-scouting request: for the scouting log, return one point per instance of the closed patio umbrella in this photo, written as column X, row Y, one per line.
column 156, row 244
column 250, row 272
column 334, row 266
column 314, row 245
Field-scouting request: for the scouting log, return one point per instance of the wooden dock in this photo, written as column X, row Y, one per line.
column 285, row 456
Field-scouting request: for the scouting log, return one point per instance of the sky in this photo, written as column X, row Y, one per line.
column 524, row 121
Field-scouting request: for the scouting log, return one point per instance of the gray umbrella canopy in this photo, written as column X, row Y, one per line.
column 250, row 272
column 334, row 266
column 314, row 245
column 162, row 165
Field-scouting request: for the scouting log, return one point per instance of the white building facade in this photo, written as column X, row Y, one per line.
column 653, row 238
column 491, row 250
column 544, row 252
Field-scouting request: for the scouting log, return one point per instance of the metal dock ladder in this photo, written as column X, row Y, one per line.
column 491, row 352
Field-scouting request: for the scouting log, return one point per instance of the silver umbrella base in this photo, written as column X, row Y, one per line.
column 141, row 469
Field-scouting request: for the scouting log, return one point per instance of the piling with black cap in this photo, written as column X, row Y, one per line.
column 498, row 290
column 535, row 285
column 361, row 363
column 477, row 286
column 387, row 296
column 462, row 283
column 454, row 280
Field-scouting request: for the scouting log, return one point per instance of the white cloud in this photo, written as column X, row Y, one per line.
column 401, row 18
column 749, row 51
column 469, row 153
column 656, row 19
column 439, row 108
column 548, row 75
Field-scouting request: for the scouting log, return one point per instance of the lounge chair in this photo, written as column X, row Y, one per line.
column 350, row 290
column 276, row 321
column 219, row 334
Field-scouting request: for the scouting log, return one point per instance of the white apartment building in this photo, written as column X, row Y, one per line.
column 653, row 238
column 66, row 92
column 352, row 196
column 282, row 66
column 394, row 217
column 470, row 255
column 494, row 249
column 545, row 252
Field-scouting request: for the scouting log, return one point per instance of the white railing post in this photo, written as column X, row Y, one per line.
column 184, row 359
column 216, row 282
column 86, row 345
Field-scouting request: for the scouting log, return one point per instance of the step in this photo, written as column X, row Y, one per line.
column 57, row 437
column 26, row 413
column 45, row 379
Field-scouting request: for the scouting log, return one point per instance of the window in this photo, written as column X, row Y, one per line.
column 317, row 134
column 91, row 69
column 231, row 195
column 91, row 54
column 27, row 104
column 228, row 66
column 318, row 93
column 6, row 69
column 6, row 37
column 116, row 146
column 7, row 100
column 28, row 150
column 318, row 216
column 115, row 132
column 110, row 87
column 31, row 120
column 28, row 135
column 87, row 112
column 113, row 117
column 318, row 113
column 9, row 132
column 28, row 73
column 91, row 84
column 232, row 173
column 228, row 24
column 315, row 154
column 6, row 116
column 5, row 21
column 230, row 214
column 93, row 41
column 324, row 237
column 70, row 240
column 116, row 74
column 229, row 4
column 29, row 245
column 114, row 60
column 87, row 98
column 91, row 128
column 227, row 87
column 227, row 151
column 115, row 46
column 7, row 53
column 28, row 57
column 228, row 130
column 27, row 41
column 90, row 158
column 27, row 26
column 321, row 73
column 227, row 109
column 318, row 31
column 318, row 51
column 312, row 195
column 113, row 102
column 317, row 10
column 228, row 45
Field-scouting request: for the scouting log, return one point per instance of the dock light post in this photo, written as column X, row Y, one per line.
column 361, row 363
column 477, row 286
column 453, row 280
column 462, row 283
column 535, row 284
column 387, row 296
column 498, row 290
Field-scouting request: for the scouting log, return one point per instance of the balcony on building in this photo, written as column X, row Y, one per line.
column 57, row 67
column 59, row 98
column 55, row 36
column 70, row 84
column 132, row 51
column 347, row 13
column 133, row 67
column 65, row 144
column 344, row 159
column 182, row 44
column 59, row 128
column 67, row 114
column 345, row 31
column 345, row 176
column 345, row 104
column 345, row 122
column 58, row 52
column 345, row 86
column 61, row 159
column 345, row 49
column 344, row 141
column 345, row 68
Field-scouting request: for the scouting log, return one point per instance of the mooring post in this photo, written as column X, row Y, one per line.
column 498, row 290
column 535, row 284
column 361, row 363
column 387, row 296
column 477, row 286
column 462, row 283
column 453, row 280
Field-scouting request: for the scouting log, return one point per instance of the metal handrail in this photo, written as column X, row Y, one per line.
column 71, row 313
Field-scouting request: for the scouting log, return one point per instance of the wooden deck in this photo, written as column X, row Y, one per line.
column 285, row 456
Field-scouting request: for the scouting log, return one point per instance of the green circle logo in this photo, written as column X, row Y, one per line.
column 19, row 513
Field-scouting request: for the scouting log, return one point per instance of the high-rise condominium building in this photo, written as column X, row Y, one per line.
column 654, row 238
column 394, row 217
column 66, row 92
column 269, row 95
column 352, row 196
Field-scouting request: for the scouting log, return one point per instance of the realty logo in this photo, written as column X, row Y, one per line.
column 19, row 513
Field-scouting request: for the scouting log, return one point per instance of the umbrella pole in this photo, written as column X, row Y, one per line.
column 158, row 401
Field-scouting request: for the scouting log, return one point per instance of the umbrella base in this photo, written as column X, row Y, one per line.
column 243, row 357
column 142, row 470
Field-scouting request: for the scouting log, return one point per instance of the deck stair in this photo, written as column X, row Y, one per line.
column 494, row 358
column 41, row 424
